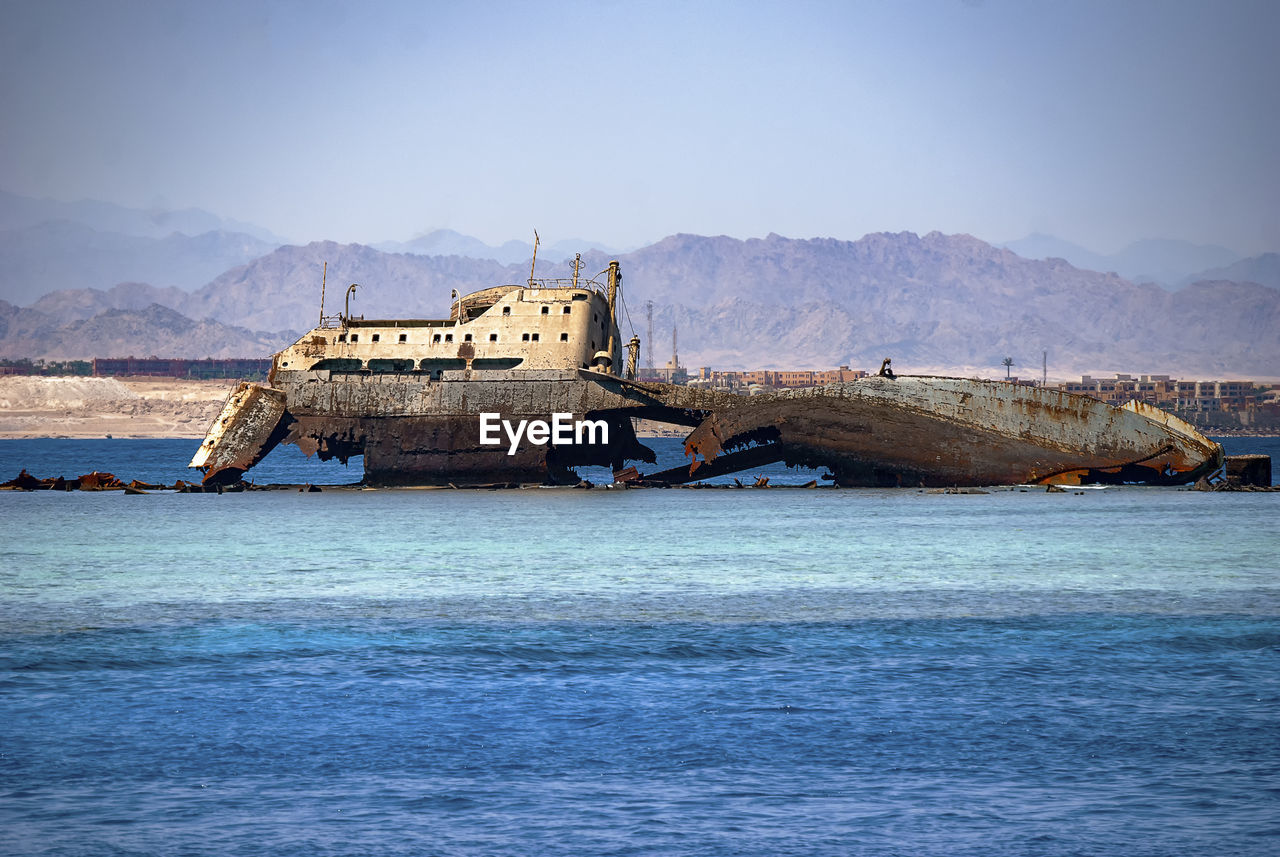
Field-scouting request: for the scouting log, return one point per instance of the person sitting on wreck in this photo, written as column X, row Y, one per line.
column 886, row 371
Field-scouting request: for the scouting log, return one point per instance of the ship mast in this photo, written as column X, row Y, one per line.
column 533, row 264
column 323, row 277
column 648, row 305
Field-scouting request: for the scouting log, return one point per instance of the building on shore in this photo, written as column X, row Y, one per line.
column 1224, row 405
column 244, row 368
column 1166, row 392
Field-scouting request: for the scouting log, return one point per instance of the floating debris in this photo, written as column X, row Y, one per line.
column 1240, row 473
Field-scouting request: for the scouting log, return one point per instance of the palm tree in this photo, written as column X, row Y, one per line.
column 1008, row 364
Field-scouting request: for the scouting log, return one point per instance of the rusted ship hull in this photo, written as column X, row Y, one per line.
column 947, row 431
column 879, row 431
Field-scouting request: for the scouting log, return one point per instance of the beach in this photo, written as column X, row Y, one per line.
column 133, row 407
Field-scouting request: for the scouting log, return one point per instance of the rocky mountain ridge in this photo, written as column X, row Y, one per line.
column 932, row 302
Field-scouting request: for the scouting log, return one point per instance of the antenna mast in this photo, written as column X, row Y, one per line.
column 648, row 306
column 534, row 263
column 324, row 276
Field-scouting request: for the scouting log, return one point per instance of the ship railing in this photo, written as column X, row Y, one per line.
column 566, row 283
column 330, row 322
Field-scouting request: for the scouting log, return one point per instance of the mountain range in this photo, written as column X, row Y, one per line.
column 950, row 303
column 1172, row 264
column 446, row 242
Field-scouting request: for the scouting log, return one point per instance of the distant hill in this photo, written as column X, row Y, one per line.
column 18, row 212
column 56, row 255
column 152, row 331
column 282, row 289
column 933, row 302
column 78, row 304
column 1167, row 262
column 1264, row 269
column 446, row 242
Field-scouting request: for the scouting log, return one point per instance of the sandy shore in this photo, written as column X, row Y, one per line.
column 97, row 407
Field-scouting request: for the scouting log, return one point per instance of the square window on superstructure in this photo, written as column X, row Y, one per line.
column 404, row 337
column 567, row 309
column 535, row 337
column 564, row 337
column 355, row 337
column 377, row 336
column 448, row 337
column 435, row 338
column 342, row 337
column 506, row 310
column 493, row 337
column 466, row 338
column 546, row 309
column 524, row 338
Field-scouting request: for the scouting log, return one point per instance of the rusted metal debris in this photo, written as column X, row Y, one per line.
column 94, row 481
column 1240, row 473
column 99, row 481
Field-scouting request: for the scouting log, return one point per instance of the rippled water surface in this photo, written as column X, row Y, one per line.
column 649, row 672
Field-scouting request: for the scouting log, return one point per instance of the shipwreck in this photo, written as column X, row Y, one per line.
column 420, row 399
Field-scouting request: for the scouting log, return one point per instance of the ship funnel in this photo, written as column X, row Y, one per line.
column 615, row 283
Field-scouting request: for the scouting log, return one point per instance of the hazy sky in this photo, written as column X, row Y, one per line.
column 623, row 122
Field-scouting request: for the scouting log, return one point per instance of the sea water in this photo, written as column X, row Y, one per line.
column 632, row 672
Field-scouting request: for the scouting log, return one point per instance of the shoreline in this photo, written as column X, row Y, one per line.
column 136, row 408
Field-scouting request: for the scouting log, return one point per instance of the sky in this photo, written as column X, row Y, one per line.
column 622, row 122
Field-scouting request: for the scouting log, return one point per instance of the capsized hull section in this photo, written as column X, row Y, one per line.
column 252, row 422
column 950, row 431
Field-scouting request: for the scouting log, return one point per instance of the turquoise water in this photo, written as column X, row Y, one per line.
column 558, row 671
